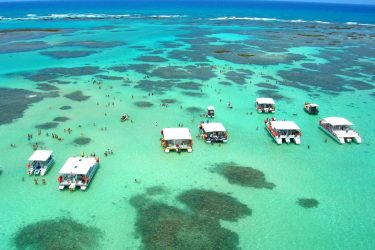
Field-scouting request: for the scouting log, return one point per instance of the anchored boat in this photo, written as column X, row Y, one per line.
column 339, row 129
column 77, row 172
column 177, row 139
column 265, row 105
column 283, row 131
column 210, row 112
column 124, row 118
column 214, row 132
column 39, row 162
column 311, row 108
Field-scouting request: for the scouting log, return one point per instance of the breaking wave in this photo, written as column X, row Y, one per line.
column 265, row 19
column 85, row 16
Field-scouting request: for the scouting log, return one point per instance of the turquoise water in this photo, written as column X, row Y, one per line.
column 237, row 60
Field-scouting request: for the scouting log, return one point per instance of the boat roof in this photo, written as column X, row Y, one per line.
column 78, row 165
column 211, row 108
column 313, row 105
column 263, row 100
column 176, row 134
column 285, row 125
column 213, row 127
column 40, row 155
column 336, row 121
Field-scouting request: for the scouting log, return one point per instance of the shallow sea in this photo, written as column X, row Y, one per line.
column 134, row 64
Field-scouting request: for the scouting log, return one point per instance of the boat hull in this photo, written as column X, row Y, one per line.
column 311, row 112
column 339, row 140
column 279, row 140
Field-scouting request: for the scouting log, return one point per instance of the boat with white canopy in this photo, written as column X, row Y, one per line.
column 210, row 112
column 39, row 162
column 77, row 172
column 339, row 129
column 311, row 108
column 176, row 139
column 265, row 105
column 283, row 131
column 214, row 132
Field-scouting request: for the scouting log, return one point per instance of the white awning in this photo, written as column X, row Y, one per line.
column 263, row 100
column 78, row 165
column 210, row 108
column 284, row 125
column 314, row 105
column 338, row 121
column 176, row 134
column 213, row 127
column 40, row 155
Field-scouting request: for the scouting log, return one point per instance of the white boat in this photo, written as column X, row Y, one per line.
column 77, row 172
column 339, row 129
column 214, row 132
column 283, row 131
column 39, row 162
column 210, row 112
column 265, row 105
column 176, row 139
column 311, row 108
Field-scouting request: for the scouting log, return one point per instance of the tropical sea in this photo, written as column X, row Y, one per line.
column 82, row 65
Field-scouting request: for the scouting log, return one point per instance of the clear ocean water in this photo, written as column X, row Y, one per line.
column 81, row 65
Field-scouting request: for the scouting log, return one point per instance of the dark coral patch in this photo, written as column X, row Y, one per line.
column 203, row 73
column 61, row 54
column 59, row 82
column 119, row 68
column 142, row 68
column 165, row 227
column 360, row 85
column 82, row 140
column 111, row 78
column 225, row 83
column 47, row 125
column 308, row 202
column 53, row 73
column 151, row 59
column 77, row 96
column 267, row 85
column 189, row 85
column 214, row 205
column 238, row 76
column 195, row 110
column 168, row 101
column 143, row 104
column 61, row 119
column 46, row 87
column 156, row 190
column 13, row 102
column 243, row 176
column 193, row 94
column 60, row 233
column 155, row 86
column 11, row 35
column 93, row 44
column 16, row 47
column 272, row 94
column 65, row 107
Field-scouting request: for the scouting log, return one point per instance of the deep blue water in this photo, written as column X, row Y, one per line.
column 205, row 8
